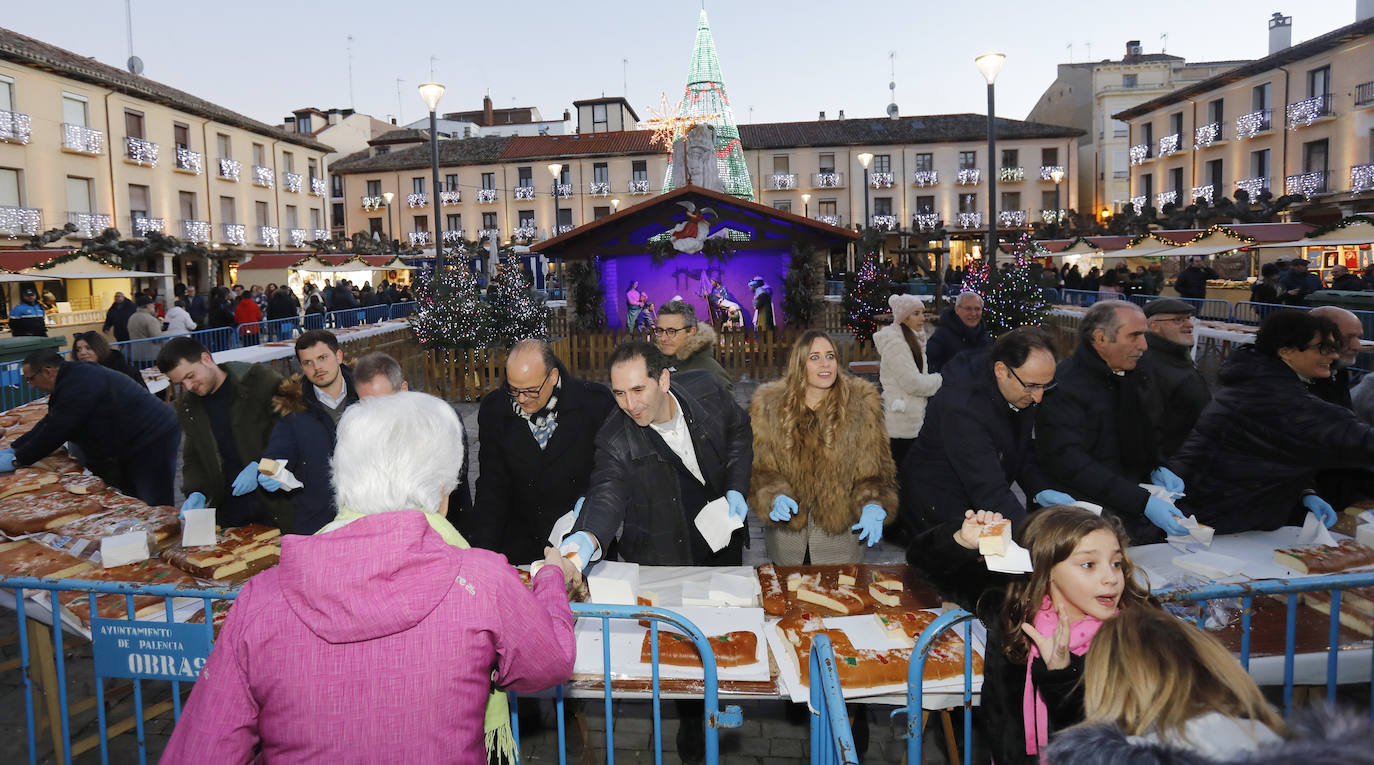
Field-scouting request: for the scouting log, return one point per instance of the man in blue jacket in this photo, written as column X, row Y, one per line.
column 28, row 317
column 129, row 437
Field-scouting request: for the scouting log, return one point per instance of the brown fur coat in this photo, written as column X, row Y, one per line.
column 830, row 484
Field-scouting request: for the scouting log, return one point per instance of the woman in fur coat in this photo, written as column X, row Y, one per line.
column 823, row 477
column 905, row 373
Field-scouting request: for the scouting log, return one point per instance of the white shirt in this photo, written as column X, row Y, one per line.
column 679, row 439
column 331, row 401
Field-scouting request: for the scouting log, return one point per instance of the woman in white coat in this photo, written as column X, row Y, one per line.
column 903, row 373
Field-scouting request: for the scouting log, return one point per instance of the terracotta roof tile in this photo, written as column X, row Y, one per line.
column 453, row 152
column 868, row 131
column 594, row 144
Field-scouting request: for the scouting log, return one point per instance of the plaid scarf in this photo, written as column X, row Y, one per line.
column 543, row 422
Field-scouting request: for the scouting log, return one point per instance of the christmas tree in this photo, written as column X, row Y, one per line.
column 451, row 312
column 802, row 285
column 586, row 295
column 868, row 298
column 1015, row 300
column 705, row 99
column 514, row 312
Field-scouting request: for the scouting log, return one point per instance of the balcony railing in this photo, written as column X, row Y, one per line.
column 88, row 224
column 486, row 196
column 1011, row 218
column 15, row 127
column 881, row 180
column 1050, row 216
column 292, row 182
column 319, row 234
column 1305, row 112
column 1252, row 124
column 563, row 190
column 418, row 238
column 1361, row 178
column 1011, row 175
column 639, row 187
column 885, row 222
column 782, row 182
column 599, row 188
column 1169, row 144
column 268, row 235
column 452, row 235
column 195, row 231
column 969, row 176
column 229, row 169
column 1139, row 154
column 524, row 232
column 233, row 233
column 450, row 197
column 833, row 220
column 318, row 187
column 827, row 180
column 1165, row 198
column 297, row 237
column 20, row 221
column 489, row 233
column 522, row 192
column 927, row 221
column 1138, row 202
column 371, row 204
column 1306, row 184
column 1047, row 172
column 924, row 179
column 969, row 219
column 82, row 140
column 140, row 152
column 190, row 161
column 1253, row 186
column 1206, row 135
column 1207, row 192
column 417, row 200
column 264, row 176
column 144, row 225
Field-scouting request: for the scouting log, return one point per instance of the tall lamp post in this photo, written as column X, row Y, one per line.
column 555, row 169
column 1056, row 175
column 806, row 205
column 865, row 159
column 615, row 205
column 989, row 65
column 387, row 196
column 431, row 92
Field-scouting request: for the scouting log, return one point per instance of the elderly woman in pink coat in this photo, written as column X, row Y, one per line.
column 378, row 639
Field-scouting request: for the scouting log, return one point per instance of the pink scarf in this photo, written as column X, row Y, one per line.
column 1035, row 715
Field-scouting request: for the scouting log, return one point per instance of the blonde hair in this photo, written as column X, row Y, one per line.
column 829, row 415
column 1148, row 670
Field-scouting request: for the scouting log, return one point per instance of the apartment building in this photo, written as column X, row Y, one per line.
column 98, row 147
column 1298, row 121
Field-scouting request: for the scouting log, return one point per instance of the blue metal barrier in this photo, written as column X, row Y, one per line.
column 14, row 389
column 832, row 741
column 1088, row 297
column 915, row 686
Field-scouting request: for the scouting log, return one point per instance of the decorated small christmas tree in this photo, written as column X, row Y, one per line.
column 866, row 299
column 451, row 312
column 802, row 285
column 514, row 312
column 1015, row 299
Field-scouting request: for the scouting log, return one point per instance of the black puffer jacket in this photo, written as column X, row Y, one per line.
column 1175, row 392
column 1259, row 444
column 952, row 337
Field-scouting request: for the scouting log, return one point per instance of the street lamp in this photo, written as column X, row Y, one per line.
column 1056, row 175
column 615, row 205
column 555, row 169
column 806, row 205
column 865, row 159
column 989, row 65
column 431, row 92
column 387, row 196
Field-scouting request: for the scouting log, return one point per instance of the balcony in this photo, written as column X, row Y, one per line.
column 1361, row 178
column 1207, row 192
column 20, row 221
column 924, row 179
column 486, row 196
column 453, row 235
column 525, row 231
column 372, row 204
column 1252, row 124
column 317, row 187
column 297, row 237
column 189, row 161
column 144, row 225
column 450, row 198
column 1140, row 154
column 1011, row 218
column 319, row 234
column 1169, row 144
column 80, row 139
column 564, row 228
column 233, row 233
column 229, row 169
column 88, row 224
column 827, row 180
column 417, row 200
column 1138, row 203
column 927, row 222
column 419, row 238
column 563, row 190
column 1050, row 216
column 488, row 233
column 522, row 192
column 15, row 127
column 1011, row 175
column 885, row 222
column 1165, row 198
column 1253, row 186
column 599, row 188
column 140, row 152
column 197, row 231
column 292, row 182
column 833, row 220
column 264, row 176
column 970, row 220
column 1309, row 110
column 1208, row 135
column 781, row 182
column 1306, row 184
column 1047, row 172
column 881, row 180
column 969, row 176
column 268, row 235
column 637, row 188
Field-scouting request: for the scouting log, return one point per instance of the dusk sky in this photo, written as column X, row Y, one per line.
column 782, row 61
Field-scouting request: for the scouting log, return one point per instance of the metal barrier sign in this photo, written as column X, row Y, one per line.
column 149, row 650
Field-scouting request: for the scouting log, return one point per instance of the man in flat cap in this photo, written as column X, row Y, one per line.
column 1175, row 391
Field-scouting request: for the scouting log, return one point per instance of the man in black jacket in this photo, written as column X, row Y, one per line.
column 127, row 436
column 959, row 329
column 1336, row 388
column 1175, row 390
column 535, row 452
column 1192, row 281
column 117, row 317
column 1093, row 433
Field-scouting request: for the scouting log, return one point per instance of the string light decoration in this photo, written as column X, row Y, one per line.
column 419, row 238
column 969, row 176
column 372, row 204
column 638, row 187
column 140, row 152
column 81, row 139
column 20, row 221
column 885, row 222
column 15, row 127
column 523, row 192
column 195, row 230
column 190, row 161
column 782, row 181
column 1011, row 218
column 417, row 200
column 1218, row 228
column 1014, row 300
column 514, row 312
column 1011, row 174
column 234, row 233
column 296, row 236
column 1138, row 202
column 229, row 170
column 269, row 236
column 833, row 220
column 1306, row 184
column 970, row 219
column 865, row 300
column 1206, row 135
column 599, row 188
column 1047, row 172
column 1340, row 225
column 1252, row 124
column 923, row 179
column 1165, row 197
column 927, row 221
column 1139, row 153
column 453, row 235
column 451, row 313
column 144, row 226
column 1305, row 112
column 881, row 180
column 319, row 234
column 488, row 233
column 1204, row 192
column 1361, row 178
column 1253, row 186
column 89, row 224
column 292, row 182
column 524, row 233
column 830, row 180
column 1168, row 144
column 1048, row 216
column 263, row 176
column 450, row 197
column 317, row 187
column 486, row 196
column 562, row 190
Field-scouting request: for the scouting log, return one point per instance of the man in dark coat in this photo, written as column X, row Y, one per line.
column 1192, row 281
column 1336, row 388
column 127, row 436
column 1175, row 390
column 534, row 440
column 1297, row 282
column 310, row 406
column 196, row 306
column 688, row 343
column 1093, row 433
column 117, row 317
column 1342, row 279
column 959, row 329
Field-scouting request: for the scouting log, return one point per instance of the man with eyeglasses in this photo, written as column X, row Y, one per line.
column 687, row 343
column 535, row 448
column 1336, row 388
column 1175, row 390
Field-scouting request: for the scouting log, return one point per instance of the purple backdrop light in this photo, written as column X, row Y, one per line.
column 689, row 276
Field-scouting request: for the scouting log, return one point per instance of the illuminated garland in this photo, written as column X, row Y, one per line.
column 714, row 249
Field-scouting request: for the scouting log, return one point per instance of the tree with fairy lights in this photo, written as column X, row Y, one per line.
column 865, row 300
column 514, row 312
column 451, row 312
column 1014, row 299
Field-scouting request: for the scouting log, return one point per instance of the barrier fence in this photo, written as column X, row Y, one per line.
column 914, row 710
column 832, row 739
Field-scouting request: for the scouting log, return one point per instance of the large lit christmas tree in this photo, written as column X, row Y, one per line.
column 704, row 101
column 867, row 299
column 1014, row 299
column 514, row 312
column 451, row 312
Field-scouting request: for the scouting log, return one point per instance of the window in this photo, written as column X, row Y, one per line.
column 1129, row 80
column 565, row 176
column 488, row 182
column 1176, row 181
column 421, row 222
column 1011, row 200
column 227, row 213
column 186, row 203
column 181, row 135
column 488, row 220
column 526, row 218
column 1121, row 164
column 260, row 214
column 1049, row 157
column 1261, row 97
column 1147, row 188
column 826, row 207
column 1120, row 129
column 600, row 212
column 925, row 205
column 827, row 163
column 291, row 220
column 139, row 201
column 1011, row 158
column 79, row 195
column 133, row 123
column 374, row 188
column 1314, row 154
column 1216, row 110
column 1147, row 134
column 314, row 168
column 224, row 146
column 968, row 203
column 6, row 93
column 781, row 163
column 303, row 124
column 639, row 170
column 601, row 173
column 882, row 163
column 336, row 186
column 74, row 109
column 925, row 162
column 9, row 188
column 417, row 185
column 1212, row 174
column 288, row 162
column 380, row 150
column 599, row 119
column 259, row 155
column 1176, row 123
column 526, row 176
column 374, row 227
column 784, row 205
column 314, row 218
column 882, row 205
column 1319, row 82
column 968, row 160
column 453, row 222
column 336, row 213
column 451, row 182
column 1047, row 200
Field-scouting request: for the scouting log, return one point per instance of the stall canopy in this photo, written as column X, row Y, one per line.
column 85, row 267
column 1149, row 245
column 9, row 278
column 1350, row 232
column 1214, row 241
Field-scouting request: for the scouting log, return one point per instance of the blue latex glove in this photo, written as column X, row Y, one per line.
column 194, row 502
column 577, row 508
column 870, row 525
column 1320, row 508
column 739, row 509
column 247, row 479
column 784, row 507
column 6, row 460
column 269, row 483
column 1165, row 515
column 582, row 544
column 1050, row 497
column 1167, row 478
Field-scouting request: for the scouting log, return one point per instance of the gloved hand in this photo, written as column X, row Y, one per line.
column 247, row 479
column 1320, row 508
column 739, row 509
column 870, row 525
column 6, row 460
column 1050, row 497
column 268, row 482
column 577, row 508
column 580, row 543
column 194, row 502
column 1167, row 478
column 784, row 507
column 1166, row 516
